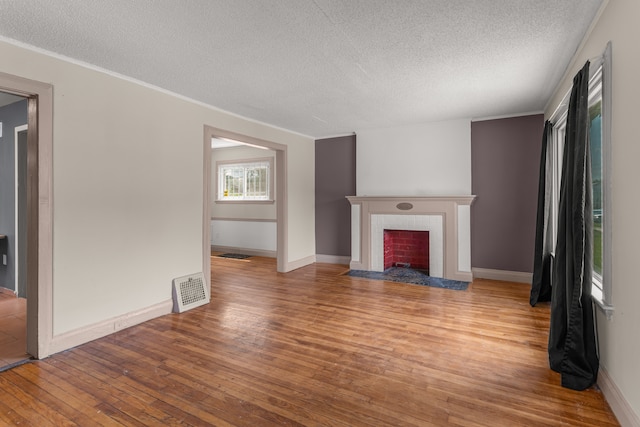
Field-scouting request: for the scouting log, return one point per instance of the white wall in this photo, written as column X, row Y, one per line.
column 128, row 184
column 619, row 338
column 421, row 160
column 257, row 235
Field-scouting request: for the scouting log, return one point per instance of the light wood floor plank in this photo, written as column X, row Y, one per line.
column 313, row 347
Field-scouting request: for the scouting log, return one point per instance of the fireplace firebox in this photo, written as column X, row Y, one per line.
column 406, row 248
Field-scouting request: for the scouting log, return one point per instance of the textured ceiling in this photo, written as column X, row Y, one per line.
column 322, row 67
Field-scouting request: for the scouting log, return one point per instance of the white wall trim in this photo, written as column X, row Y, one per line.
column 507, row 116
column 85, row 334
column 333, row 259
column 339, row 135
column 356, row 242
column 252, row 252
column 16, row 197
column 619, row 405
column 216, row 218
column 302, row 262
column 504, row 275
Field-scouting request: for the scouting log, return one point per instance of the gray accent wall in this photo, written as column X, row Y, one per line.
column 11, row 116
column 505, row 159
column 335, row 179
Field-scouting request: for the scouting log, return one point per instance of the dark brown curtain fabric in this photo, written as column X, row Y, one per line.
column 572, row 343
column 541, row 283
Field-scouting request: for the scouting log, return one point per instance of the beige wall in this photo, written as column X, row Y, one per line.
column 620, row 337
column 128, row 185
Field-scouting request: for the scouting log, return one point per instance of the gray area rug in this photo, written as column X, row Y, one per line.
column 407, row 275
column 234, row 256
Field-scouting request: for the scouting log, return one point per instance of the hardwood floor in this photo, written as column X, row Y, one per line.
column 13, row 330
column 313, row 347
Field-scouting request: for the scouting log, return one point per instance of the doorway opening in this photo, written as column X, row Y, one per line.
column 280, row 191
column 243, row 195
column 13, row 179
column 34, row 154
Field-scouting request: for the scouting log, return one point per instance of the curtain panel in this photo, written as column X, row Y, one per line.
column 541, row 283
column 572, row 342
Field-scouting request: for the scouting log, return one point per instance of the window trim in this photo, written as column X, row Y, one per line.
column 604, row 302
column 270, row 198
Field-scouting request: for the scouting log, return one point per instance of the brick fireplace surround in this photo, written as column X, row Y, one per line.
column 406, row 248
column 446, row 218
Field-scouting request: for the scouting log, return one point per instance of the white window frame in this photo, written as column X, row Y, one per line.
column 600, row 73
column 595, row 95
column 245, row 164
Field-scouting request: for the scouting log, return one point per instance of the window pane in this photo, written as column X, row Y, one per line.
column 256, row 182
column 233, row 182
column 595, row 115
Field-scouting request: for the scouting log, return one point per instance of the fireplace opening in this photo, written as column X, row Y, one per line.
column 406, row 249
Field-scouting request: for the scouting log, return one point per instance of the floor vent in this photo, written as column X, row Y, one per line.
column 189, row 292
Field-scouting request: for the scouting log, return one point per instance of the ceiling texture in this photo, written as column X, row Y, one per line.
column 322, row 67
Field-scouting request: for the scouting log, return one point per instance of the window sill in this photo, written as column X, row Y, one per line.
column 246, row 202
column 604, row 307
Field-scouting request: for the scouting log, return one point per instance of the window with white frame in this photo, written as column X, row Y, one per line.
column 245, row 180
column 595, row 137
column 600, row 145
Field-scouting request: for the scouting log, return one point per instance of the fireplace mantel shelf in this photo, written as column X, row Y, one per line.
column 460, row 199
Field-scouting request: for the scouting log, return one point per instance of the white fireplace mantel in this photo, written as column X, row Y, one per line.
column 447, row 217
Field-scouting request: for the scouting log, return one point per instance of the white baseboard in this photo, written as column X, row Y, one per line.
column 504, row 275
column 302, row 262
column 463, row 276
column 333, row 259
column 619, row 405
column 85, row 334
column 245, row 251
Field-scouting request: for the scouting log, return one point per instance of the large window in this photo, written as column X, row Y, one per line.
column 249, row 180
column 600, row 145
column 595, row 136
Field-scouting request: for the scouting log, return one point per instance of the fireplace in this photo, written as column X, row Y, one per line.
column 406, row 248
column 433, row 224
column 447, row 219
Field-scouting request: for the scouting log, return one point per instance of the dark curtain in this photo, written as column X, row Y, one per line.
column 541, row 283
column 572, row 343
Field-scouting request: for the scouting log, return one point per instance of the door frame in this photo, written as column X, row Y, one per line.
column 39, row 209
column 17, row 258
column 281, row 195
